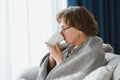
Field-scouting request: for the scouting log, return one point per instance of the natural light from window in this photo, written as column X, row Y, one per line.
column 24, row 27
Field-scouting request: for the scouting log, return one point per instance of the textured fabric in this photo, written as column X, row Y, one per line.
column 116, row 74
column 72, row 2
column 76, row 67
column 108, row 48
column 102, row 73
column 29, row 74
column 112, row 59
column 43, row 70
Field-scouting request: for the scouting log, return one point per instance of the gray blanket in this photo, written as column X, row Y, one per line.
column 87, row 59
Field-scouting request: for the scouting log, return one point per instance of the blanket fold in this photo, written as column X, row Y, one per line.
column 85, row 60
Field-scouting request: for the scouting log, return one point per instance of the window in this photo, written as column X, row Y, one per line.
column 24, row 27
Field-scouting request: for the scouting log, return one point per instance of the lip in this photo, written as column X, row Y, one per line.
column 64, row 38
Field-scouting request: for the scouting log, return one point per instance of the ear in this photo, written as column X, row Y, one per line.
column 80, row 32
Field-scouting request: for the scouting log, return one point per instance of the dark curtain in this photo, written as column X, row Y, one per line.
column 107, row 14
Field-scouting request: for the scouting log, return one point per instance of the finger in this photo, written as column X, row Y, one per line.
column 58, row 46
column 48, row 45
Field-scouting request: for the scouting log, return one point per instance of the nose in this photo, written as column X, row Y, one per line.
column 62, row 32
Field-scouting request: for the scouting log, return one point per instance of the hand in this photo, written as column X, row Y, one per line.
column 55, row 52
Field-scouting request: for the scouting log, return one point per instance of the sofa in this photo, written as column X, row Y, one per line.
column 111, row 71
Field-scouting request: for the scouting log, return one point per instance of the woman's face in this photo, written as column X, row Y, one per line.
column 70, row 34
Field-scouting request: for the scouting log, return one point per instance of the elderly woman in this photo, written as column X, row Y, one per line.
column 83, row 53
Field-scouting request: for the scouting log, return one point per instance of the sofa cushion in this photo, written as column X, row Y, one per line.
column 102, row 73
column 112, row 59
column 108, row 48
column 116, row 74
column 29, row 74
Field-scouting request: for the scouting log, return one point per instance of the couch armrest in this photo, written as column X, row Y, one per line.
column 29, row 74
column 108, row 48
column 116, row 74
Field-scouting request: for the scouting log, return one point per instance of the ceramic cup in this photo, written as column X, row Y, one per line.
column 55, row 38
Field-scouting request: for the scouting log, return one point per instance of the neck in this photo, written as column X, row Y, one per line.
column 81, row 39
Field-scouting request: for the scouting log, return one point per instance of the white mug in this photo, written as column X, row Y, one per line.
column 55, row 38
column 21, row 79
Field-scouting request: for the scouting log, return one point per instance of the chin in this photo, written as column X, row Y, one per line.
column 67, row 42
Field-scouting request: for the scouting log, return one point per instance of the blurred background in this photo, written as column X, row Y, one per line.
column 26, row 24
column 24, row 27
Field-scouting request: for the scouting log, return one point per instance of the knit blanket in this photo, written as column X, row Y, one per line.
column 88, row 58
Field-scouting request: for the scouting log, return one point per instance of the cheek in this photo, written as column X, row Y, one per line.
column 68, row 38
column 71, row 37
